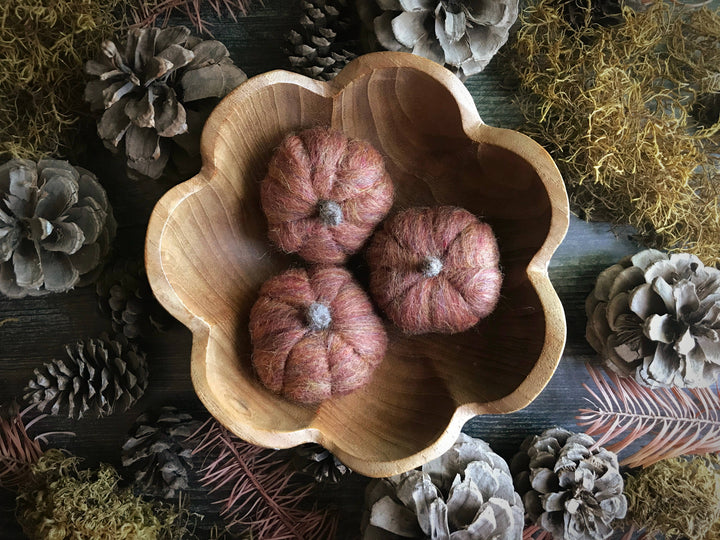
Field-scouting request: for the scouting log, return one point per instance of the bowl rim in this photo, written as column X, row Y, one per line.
column 537, row 269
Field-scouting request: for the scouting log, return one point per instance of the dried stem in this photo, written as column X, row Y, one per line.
column 150, row 13
column 533, row 532
column 18, row 450
column 681, row 421
column 262, row 491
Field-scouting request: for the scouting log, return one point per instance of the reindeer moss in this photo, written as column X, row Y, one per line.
column 677, row 497
column 612, row 104
column 43, row 45
column 63, row 501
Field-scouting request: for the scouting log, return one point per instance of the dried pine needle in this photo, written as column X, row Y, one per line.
column 612, row 104
column 63, row 501
column 43, row 45
column 656, row 493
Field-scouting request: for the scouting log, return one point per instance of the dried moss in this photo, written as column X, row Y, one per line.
column 612, row 106
column 43, row 45
column 63, row 501
column 657, row 493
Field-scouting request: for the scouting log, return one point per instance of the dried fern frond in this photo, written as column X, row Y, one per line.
column 262, row 493
column 18, row 450
column 147, row 13
column 680, row 421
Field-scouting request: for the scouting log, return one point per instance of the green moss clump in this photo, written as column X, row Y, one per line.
column 62, row 501
column 677, row 497
column 43, row 46
column 613, row 106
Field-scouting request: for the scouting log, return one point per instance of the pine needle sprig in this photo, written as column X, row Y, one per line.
column 533, row 532
column 146, row 14
column 18, row 450
column 262, row 492
column 680, row 421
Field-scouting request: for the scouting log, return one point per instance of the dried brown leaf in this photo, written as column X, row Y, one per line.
column 680, row 421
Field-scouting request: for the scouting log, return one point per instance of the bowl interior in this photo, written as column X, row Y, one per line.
column 215, row 253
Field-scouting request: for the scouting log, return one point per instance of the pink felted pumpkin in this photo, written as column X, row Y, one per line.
column 315, row 334
column 324, row 194
column 435, row 270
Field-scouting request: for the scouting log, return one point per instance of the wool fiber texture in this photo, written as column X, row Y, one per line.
column 315, row 334
column 324, row 193
column 435, row 270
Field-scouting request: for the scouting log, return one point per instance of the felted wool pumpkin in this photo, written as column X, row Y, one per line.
column 324, row 193
column 435, row 270
column 315, row 334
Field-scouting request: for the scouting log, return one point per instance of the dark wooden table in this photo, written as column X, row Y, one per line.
column 34, row 330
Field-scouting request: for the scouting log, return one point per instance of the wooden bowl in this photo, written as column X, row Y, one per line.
column 207, row 254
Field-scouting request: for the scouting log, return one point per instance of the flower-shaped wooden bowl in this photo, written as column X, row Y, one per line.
column 207, row 254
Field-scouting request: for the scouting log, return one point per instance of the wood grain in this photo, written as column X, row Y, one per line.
column 207, row 255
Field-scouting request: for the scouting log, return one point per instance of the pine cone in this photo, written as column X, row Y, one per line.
column 157, row 453
column 124, row 293
column 319, row 49
column 467, row 492
column 461, row 34
column 568, row 489
column 98, row 377
column 657, row 318
column 142, row 90
column 320, row 463
column 56, row 226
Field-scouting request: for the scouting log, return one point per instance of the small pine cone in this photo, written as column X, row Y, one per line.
column 124, row 293
column 657, row 318
column 569, row 489
column 320, row 463
column 320, row 48
column 97, row 378
column 56, row 226
column 141, row 90
column 156, row 453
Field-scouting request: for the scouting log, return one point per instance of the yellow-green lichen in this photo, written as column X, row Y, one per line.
column 62, row 501
column 612, row 104
column 677, row 497
column 43, row 46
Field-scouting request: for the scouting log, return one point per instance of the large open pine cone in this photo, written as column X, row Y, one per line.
column 319, row 49
column 657, row 318
column 56, row 226
column 461, row 34
column 157, row 453
column 568, row 489
column 465, row 493
column 142, row 90
column 96, row 378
